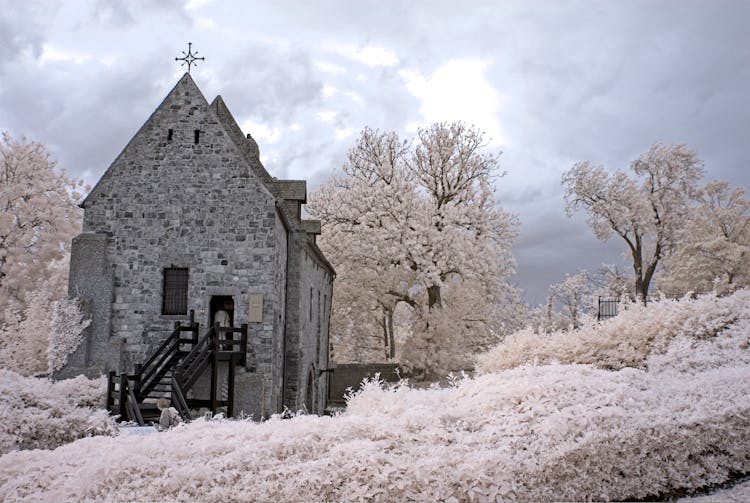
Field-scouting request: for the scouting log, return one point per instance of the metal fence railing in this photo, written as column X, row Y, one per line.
column 608, row 308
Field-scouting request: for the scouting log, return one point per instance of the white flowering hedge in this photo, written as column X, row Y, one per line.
column 37, row 413
column 560, row 431
column 628, row 339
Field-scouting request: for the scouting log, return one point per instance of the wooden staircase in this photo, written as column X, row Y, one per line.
column 173, row 370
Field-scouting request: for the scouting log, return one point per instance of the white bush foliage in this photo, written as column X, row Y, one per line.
column 542, row 433
column 37, row 413
column 628, row 339
column 67, row 326
column 38, row 339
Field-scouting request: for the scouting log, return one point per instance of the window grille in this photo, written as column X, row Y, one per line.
column 175, row 290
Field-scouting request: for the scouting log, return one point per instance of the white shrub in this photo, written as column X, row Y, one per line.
column 532, row 433
column 39, row 339
column 628, row 339
column 36, row 413
column 66, row 332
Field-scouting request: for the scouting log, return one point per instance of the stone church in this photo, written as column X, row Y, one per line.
column 186, row 222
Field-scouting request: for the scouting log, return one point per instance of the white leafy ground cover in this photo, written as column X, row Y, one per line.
column 637, row 333
column 678, row 421
column 39, row 413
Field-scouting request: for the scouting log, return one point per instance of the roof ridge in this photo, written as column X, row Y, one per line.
column 250, row 153
column 186, row 77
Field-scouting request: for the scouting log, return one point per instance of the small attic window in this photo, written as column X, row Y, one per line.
column 197, row 137
column 170, row 134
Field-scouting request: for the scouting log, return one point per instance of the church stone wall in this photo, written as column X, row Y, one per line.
column 279, row 311
column 178, row 203
column 187, row 192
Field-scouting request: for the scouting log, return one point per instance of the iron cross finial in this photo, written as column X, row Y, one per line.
column 189, row 59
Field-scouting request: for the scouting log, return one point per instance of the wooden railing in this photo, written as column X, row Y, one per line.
column 134, row 411
column 191, row 367
column 227, row 344
column 150, row 373
column 123, row 396
column 178, row 400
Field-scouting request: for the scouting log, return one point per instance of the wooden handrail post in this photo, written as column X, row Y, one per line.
column 194, row 326
column 243, row 345
column 177, row 376
column 137, row 376
column 110, row 390
column 134, row 405
column 230, row 385
column 214, row 382
column 215, row 337
column 122, row 398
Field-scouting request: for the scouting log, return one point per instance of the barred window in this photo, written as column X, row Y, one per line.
column 175, row 290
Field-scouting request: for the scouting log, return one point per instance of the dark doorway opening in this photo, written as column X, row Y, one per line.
column 219, row 305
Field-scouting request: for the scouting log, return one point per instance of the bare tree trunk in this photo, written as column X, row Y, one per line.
column 391, row 338
column 388, row 338
column 574, row 312
column 433, row 297
column 548, row 327
column 641, row 286
column 384, row 325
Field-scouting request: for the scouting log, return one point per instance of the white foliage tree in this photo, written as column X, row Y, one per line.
column 609, row 281
column 573, row 295
column 715, row 250
column 647, row 210
column 39, row 215
column 567, row 303
column 417, row 224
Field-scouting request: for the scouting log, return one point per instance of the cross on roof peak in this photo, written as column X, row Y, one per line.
column 189, row 58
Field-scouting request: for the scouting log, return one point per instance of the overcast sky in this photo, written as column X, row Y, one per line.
column 550, row 82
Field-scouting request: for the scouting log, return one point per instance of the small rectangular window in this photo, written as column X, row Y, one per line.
column 197, row 136
column 175, row 291
column 170, row 133
column 311, row 290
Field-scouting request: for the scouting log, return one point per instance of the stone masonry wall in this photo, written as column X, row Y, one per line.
column 91, row 281
column 315, row 299
column 187, row 202
column 279, row 313
column 350, row 376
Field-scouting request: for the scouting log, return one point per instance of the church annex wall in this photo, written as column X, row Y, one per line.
column 315, row 300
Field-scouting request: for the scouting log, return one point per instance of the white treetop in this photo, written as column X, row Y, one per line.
column 414, row 224
column 647, row 210
column 715, row 244
column 573, row 295
column 39, row 216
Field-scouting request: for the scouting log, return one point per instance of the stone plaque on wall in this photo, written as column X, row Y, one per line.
column 255, row 314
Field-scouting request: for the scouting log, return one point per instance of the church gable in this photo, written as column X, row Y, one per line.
column 182, row 143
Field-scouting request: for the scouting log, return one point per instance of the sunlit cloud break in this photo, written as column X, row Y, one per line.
column 459, row 90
